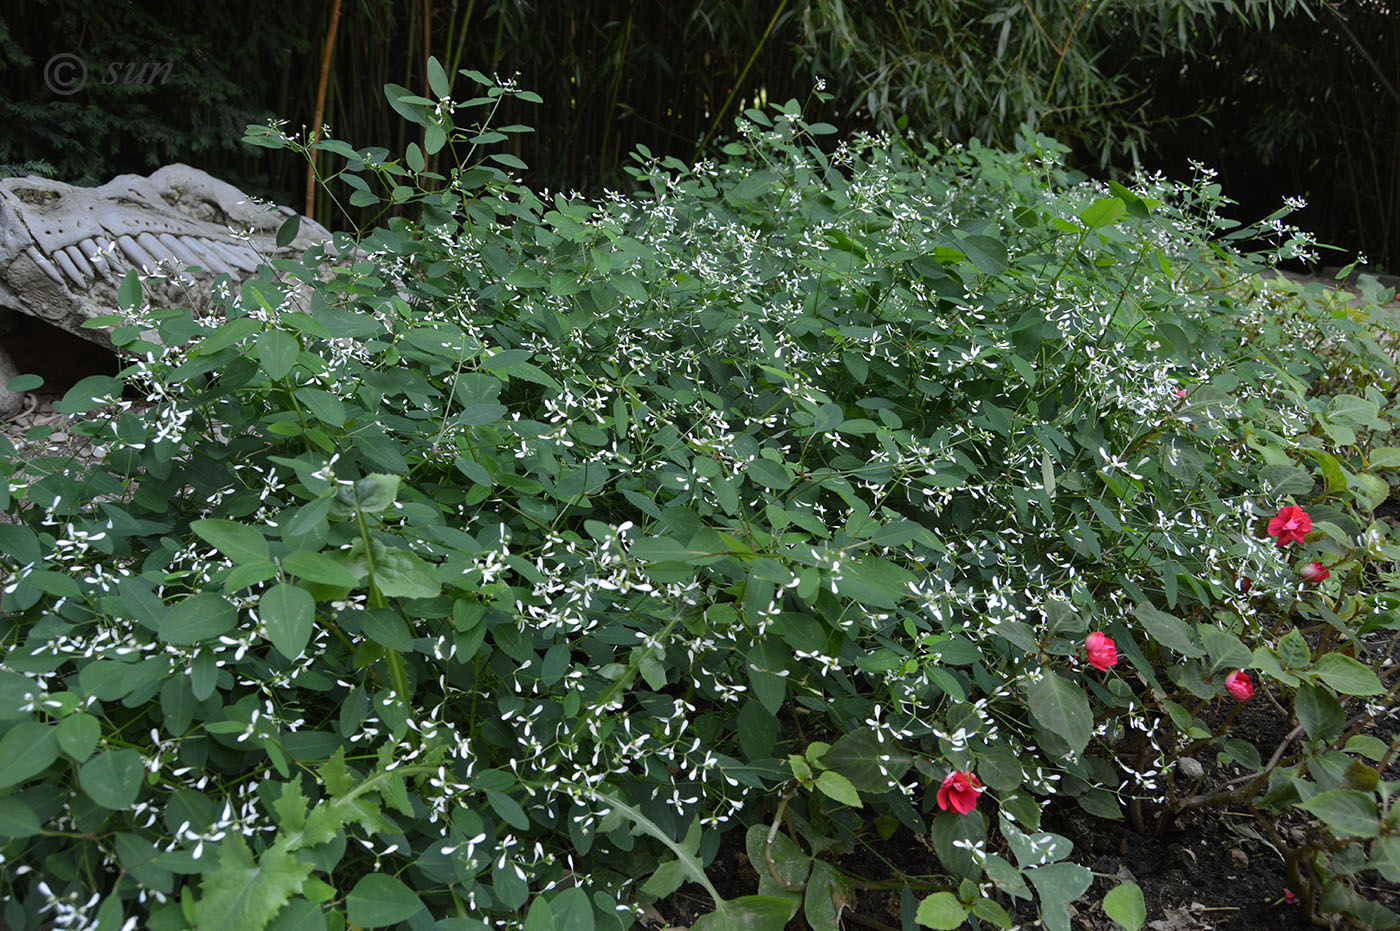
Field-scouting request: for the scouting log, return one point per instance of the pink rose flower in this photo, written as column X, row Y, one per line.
column 1240, row 685
column 959, row 792
column 1102, row 651
column 1290, row 525
column 1315, row 572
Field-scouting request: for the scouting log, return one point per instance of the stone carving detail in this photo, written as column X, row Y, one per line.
column 64, row 250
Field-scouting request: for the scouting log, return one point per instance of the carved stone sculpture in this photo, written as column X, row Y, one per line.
column 64, row 250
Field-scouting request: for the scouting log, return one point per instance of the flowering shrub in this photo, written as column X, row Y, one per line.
column 496, row 577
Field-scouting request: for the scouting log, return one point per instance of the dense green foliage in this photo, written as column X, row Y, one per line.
column 495, row 576
column 1307, row 87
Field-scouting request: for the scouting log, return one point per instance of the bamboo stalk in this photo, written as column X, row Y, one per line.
column 326, row 50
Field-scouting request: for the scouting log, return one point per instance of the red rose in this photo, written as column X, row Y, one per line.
column 959, row 792
column 1240, row 685
column 1315, row 572
column 1101, row 649
column 1290, row 525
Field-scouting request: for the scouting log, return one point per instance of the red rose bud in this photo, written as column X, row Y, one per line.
column 1240, row 685
column 1102, row 651
column 1314, row 572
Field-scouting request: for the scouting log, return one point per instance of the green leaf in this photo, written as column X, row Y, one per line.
column 1060, row 706
column 129, row 294
column 1167, row 629
column 239, row 542
column 17, row 819
column 78, row 735
column 26, row 750
column 749, row 913
column 768, row 474
column 287, row 232
column 1347, row 675
column 1059, row 884
column 289, row 613
column 112, row 779
column 837, row 786
column 540, row 917
column 318, row 567
column 1103, row 212
column 277, row 351
column 378, row 901
column 246, row 894
column 1347, row 813
column 1224, row 648
column 988, row 255
column 1369, row 491
column 867, row 763
column 400, row 574
column 941, row 911
column 408, row 104
column 827, row 895
column 200, row 617
column 371, row 494
column 573, row 912
column 437, row 78
column 1293, row 650
column 667, row 878
column 1319, row 713
column 509, row 809
column 1125, row 905
column 323, row 405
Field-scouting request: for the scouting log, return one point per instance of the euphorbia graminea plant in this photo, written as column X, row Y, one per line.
column 578, row 533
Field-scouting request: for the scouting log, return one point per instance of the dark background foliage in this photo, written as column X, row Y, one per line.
column 1284, row 97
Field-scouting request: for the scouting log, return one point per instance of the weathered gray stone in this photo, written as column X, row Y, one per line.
column 64, row 250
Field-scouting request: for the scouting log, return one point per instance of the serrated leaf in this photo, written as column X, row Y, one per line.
column 245, row 893
column 941, row 911
column 837, row 786
column 1346, row 812
column 1347, row 675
